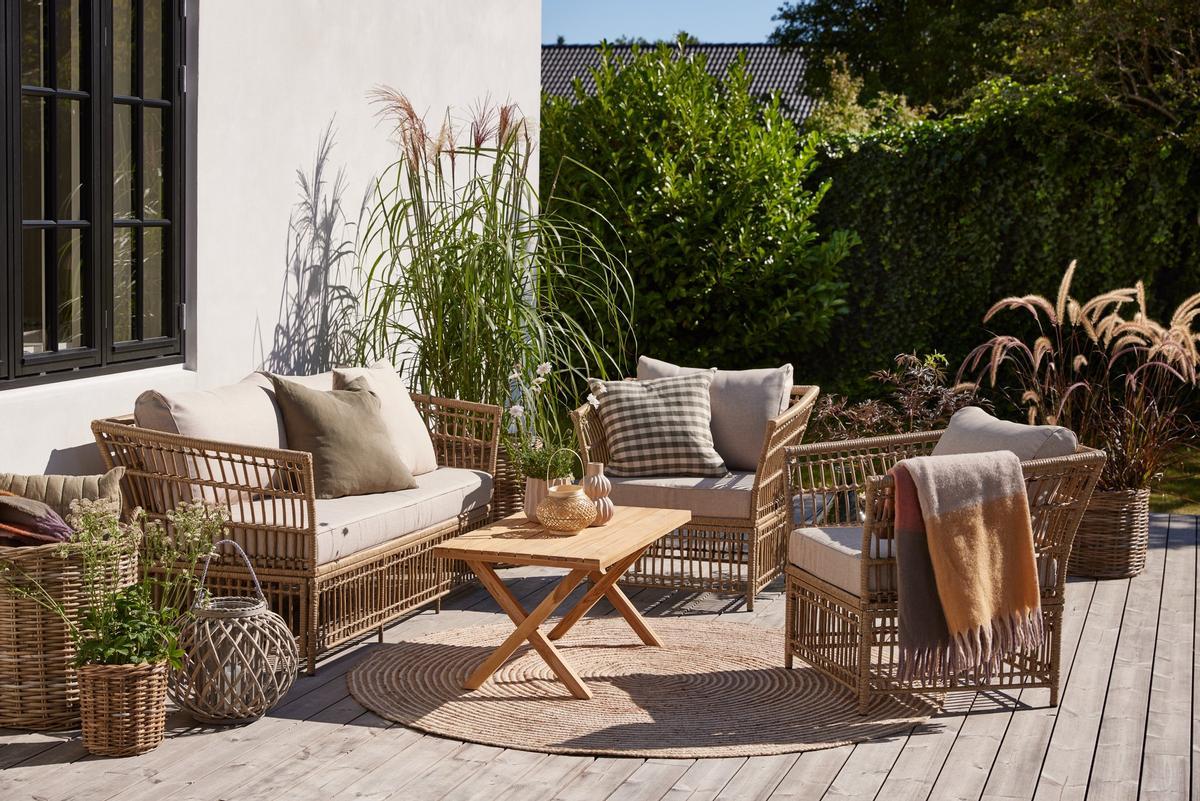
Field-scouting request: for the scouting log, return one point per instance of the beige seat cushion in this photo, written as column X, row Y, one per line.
column 834, row 554
column 972, row 430
column 742, row 402
column 406, row 428
column 355, row 523
column 728, row 496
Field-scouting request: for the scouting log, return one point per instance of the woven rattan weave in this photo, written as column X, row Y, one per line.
column 720, row 554
column 853, row 636
column 123, row 707
column 269, row 493
column 1113, row 535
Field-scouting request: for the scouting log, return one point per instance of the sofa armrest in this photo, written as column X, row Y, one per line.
column 589, row 434
column 465, row 434
column 770, row 486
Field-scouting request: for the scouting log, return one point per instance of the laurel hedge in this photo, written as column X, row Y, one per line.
column 954, row 214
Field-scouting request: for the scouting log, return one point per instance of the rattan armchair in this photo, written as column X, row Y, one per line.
column 853, row 636
column 721, row 554
column 274, row 521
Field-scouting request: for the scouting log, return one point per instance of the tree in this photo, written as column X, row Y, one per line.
column 709, row 193
column 929, row 51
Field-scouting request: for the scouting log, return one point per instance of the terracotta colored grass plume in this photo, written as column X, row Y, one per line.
column 1103, row 368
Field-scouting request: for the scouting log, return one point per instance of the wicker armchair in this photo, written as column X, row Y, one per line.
column 274, row 521
column 721, row 554
column 851, row 634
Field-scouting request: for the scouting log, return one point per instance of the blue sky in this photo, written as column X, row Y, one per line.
column 587, row 21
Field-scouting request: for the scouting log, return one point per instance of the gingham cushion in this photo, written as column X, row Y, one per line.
column 658, row 427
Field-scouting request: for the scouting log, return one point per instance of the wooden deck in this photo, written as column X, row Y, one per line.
column 1125, row 729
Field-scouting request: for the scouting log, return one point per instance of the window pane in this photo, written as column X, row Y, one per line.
column 123, row 175
column 153, row 324
column 154, row 49
column 69, row 159
column 68, row 41
column 33, row 291
column 153, row 148
column 122, row 47
column 70, row 289
column 32, row 43
column 33, row 143
column 124, row 285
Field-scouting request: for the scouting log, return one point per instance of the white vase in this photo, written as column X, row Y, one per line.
column 536, row 490
column 597, row 487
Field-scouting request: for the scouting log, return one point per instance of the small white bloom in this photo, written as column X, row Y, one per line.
column 541, row 379
column 516, row 410
column 544, row 368
column 592, row 399
column 537, row 387
column 514, row 376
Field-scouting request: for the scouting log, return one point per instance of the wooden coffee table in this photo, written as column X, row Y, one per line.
column 601, row 555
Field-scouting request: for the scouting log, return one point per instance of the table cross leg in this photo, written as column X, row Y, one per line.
column 527, row 629
column 604, row 585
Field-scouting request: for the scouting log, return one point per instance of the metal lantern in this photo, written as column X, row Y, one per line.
column 239, row 659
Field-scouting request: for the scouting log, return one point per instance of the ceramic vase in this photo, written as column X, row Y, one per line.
column 597, row 487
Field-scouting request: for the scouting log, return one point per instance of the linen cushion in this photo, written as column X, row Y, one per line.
column 727, row 496
column 31, row 522
column 834, row 554
column 658, row 427
column 319, row 381
column 407, row 430
column 972, row 430
column 352, row 524
column 241, row 414
column 344, row 431
column 58, row 492
column 742, row 403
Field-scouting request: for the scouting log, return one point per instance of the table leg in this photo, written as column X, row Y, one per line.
column 527, row 629
column 604, row 585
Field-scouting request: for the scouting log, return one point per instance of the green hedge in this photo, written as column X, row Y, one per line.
column 955, row 214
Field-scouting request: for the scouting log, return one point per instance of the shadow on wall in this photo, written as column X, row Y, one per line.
column 317, row 304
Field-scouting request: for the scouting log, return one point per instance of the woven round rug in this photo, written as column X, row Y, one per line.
column 715, row 690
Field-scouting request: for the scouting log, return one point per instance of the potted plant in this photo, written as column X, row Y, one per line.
column 129, row 635
column 1125, row 384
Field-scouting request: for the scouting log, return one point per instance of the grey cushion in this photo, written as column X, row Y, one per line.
column 727, row 496
column 658, row 427
column 742, row 402
column 972, row 430
column 58, row 492
column 346, row 435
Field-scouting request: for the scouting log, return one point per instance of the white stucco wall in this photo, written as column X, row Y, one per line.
column 272, row 75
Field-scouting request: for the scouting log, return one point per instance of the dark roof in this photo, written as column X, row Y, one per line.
column 771, row 69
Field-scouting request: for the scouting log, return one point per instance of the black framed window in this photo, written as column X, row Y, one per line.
column 93, row 209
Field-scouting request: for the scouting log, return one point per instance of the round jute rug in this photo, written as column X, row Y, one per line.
column 715, row 690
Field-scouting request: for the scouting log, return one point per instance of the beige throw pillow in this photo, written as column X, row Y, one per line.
column 406, row 428
column 346, row 435
column 972, row 430
column 57, row 492
column 742, row 403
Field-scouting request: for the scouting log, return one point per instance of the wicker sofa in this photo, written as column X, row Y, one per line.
column 736, row 541
column 841, row 609
column 334, row 569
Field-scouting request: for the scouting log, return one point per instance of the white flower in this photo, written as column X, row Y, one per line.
column 592, row 399
column 544, row 368
column 541, row 379
column 514, row 376
column 537, row 386
column 516, row 410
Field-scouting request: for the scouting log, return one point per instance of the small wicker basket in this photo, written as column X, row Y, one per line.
column 1113, row 535
column 123, row 708
column 38, row 685
column 240, row 658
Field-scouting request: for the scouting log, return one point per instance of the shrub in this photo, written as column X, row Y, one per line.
column 955, row 213
column 712, row 199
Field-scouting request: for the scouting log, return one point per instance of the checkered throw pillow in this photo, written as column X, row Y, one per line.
column 658, row 427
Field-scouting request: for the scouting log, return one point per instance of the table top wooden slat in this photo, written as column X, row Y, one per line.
column 514, row 540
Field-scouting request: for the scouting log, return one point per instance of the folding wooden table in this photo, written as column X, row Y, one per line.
column 600, row 554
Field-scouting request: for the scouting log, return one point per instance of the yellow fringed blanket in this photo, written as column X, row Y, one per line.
column 967, row 573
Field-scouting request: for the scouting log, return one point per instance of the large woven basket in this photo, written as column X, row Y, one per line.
column 508, row 487
column 38, row 687
column 123, row 708
column 1113, row 535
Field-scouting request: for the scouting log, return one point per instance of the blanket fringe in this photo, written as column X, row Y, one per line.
column 983, row 649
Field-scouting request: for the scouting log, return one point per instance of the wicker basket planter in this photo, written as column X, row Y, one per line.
column 508, row 487
column 1113, row 535
column 38, row 687
column 123, row 708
